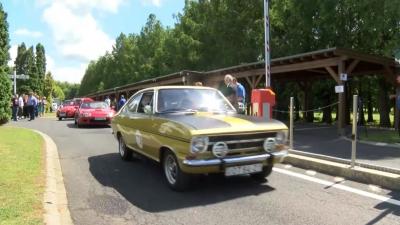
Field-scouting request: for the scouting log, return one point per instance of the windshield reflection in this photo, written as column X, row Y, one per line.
column 192, row 100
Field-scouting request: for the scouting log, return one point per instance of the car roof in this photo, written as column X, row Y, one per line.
column 178, row 87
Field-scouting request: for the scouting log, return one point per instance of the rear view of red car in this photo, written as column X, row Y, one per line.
column 69, row 107
column 94, row 113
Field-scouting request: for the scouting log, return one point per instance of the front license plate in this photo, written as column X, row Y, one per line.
column 100, row 118
column 62, row 114
column 246, row 169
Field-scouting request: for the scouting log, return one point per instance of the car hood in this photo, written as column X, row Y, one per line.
column 203, row 123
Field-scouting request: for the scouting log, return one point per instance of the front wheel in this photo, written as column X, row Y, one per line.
column 59, row 118
column 261, row 176
column 175, row 177
column 124, row 152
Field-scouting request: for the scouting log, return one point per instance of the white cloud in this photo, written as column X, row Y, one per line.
column 29, row 33
column 13, row 54
column 79, row 37
column 152, row 2
column 69, row 74
column 87, row 5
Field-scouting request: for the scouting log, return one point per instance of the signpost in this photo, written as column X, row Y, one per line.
column 16, row 76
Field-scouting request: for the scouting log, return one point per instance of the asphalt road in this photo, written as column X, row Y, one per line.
column 102, row 189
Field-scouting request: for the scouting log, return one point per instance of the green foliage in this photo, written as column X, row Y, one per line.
column 40, row 65
column 58, row 93
column 69, row 90
column 4, row 37
column 5, row 97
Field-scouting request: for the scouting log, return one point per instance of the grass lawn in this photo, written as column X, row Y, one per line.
column 386, row 136
column 22, row 176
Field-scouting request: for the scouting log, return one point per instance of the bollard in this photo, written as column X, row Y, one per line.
column 354, row 132
column 291, row 123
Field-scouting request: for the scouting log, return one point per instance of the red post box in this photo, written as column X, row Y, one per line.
column 262, row 102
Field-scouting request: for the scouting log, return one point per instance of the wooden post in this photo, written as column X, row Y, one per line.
column 342, row 102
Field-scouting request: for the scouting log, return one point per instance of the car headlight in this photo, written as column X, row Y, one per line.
column 276, row 143
column 199, row 144
column 281, row 137
column 111, row 114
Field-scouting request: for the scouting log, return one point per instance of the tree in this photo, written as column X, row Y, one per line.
column 5, row 83
column 40, row 64
column 5, row 96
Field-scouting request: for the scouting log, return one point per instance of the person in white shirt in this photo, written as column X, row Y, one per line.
column 21, row 106
column 108, row 101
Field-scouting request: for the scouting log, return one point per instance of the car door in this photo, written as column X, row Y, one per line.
column 143, row 126
column 127, row 117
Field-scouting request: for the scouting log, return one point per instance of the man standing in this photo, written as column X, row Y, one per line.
column 121, row 102
column 20, row 106
column 15, row 107
column 32, row 103
column 108, row 101
column 240, row 95
column 229, row 90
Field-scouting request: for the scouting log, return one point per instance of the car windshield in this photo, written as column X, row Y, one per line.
column 69, row 102
column 202, row 100
column 94, row 105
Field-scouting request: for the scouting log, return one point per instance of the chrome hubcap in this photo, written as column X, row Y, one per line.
column 121, row 147
column 171, row 169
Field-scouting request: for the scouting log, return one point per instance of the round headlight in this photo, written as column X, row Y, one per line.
column 269, row 144
column 281, row 137
column 220, row 149
column 199, row 144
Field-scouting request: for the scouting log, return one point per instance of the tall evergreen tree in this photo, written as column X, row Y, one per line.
column 5, row 83
column 40, row 64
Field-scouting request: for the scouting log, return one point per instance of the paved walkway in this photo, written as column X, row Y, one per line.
column 324, row 140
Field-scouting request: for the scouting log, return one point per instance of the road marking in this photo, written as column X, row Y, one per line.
column 311, row 172
column 338, row 179
column 374, row 188
column 339, row 186
column 288, row 166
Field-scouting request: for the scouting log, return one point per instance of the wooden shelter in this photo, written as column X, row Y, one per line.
column 321, row 64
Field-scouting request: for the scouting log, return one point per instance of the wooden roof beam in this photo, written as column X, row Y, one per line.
column 308, row 65
column 352, row 66
column 334, row 75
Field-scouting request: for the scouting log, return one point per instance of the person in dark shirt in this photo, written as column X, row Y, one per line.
column 15, row 107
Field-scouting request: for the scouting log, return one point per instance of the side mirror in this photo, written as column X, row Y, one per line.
column 148, row 110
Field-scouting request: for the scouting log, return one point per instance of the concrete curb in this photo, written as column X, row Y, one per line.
column 378, row 144
column 363, row 175
column 55, row 201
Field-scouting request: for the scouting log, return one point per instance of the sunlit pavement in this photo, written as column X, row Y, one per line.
column 102, row 189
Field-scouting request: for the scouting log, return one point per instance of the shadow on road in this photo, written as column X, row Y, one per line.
column 72, row 125
column 387, row 209
column 142, row 184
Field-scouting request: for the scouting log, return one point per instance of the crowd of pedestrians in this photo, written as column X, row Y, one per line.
column 28, row 106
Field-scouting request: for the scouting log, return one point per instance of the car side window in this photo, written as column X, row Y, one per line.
column 133, row 104
column 147, row 99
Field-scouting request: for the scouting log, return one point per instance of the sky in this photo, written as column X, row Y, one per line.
column 74, row 32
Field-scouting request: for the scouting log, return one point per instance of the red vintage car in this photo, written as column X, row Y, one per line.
column 69, row 107
column 94, row 113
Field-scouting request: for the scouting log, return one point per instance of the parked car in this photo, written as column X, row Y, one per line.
column 195, row 130
column 69, row 107
column 94, row 113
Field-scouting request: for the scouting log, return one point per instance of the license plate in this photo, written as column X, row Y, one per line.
column 100, row 118
column 246, row 169
column 62, row 114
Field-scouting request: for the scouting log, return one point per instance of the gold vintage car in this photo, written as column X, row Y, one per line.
column 195, row 130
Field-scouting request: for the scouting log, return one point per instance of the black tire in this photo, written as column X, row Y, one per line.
column 124, row 152
column 261, row 176
column 176, row 179
column 59, row 118
column 75, row 122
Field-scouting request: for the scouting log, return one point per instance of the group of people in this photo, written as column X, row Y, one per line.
column 28, row 106
column 234, row 92
column 116, row 105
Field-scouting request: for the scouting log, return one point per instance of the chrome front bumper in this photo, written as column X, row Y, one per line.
column 277, row 157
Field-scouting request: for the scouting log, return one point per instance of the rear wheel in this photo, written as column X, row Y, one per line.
column 175, row 177
column 124, row 152
column 59, row 118
column 261, row 176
